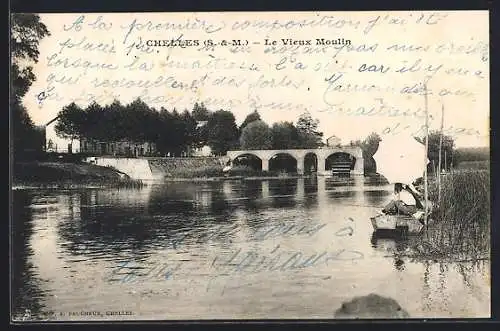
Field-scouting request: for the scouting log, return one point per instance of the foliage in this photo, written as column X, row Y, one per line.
column 135, row 122
column 200, row 112
column 369, row 147
column 433, row 151
column 284, row 135
column 200, row 116
column 253, row 116
column 25, row 34
column 307, row 127
column 70, row 122
column 471, row 154
column 223, row 132
column 256, row 135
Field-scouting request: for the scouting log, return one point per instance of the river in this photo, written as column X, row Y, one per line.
column 242, row 249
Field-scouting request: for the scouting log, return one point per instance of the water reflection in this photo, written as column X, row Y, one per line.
column 392, row 246
column 27, row 292
column 68, row 244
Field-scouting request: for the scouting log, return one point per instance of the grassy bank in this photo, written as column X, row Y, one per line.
column 461, row 221
column 69, row 175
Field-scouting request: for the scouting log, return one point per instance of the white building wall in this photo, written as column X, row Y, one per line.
column 59, row 145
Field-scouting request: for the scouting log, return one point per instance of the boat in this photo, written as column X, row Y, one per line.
column 401, row 223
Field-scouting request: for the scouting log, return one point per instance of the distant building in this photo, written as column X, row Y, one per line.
column 333, row 141
column 201, row 151
column 54, row 143
column 117, row 148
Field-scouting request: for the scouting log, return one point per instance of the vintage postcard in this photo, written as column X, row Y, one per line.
column 250, row 165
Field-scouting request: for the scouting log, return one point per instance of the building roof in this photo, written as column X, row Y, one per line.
column 52, row 121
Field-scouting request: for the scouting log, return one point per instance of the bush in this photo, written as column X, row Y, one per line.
column 202, row 172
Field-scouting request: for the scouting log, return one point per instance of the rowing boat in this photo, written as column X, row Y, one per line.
column 408, row 224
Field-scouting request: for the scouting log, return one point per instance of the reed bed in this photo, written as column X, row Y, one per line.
column 461, row 220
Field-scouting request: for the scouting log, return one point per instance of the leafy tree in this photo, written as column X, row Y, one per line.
column 369, row 147
column 94, row 127
column 166, row 129
column 433, row 150
column 370, row 144
column 25, row 34
column 309, row 135
column 253, row 116
column 200, row 112
column 256, row 135
column 223, row 132
column 70, row 122
column 284, row 135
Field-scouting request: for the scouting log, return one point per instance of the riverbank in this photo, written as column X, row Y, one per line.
column 56, row 175
column 460, row 227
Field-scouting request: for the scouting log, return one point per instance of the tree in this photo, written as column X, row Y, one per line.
column 433, row 151
column 369, row 147
column 223, row 132
column 26, row 32
column 309, row 135
column 200, row 112
column 94, row 126
column 165, row 142
column 188, row 127
column 370, row 144
column 284, row 135
column 253, row 116
column 256, row 135
column 70, row 122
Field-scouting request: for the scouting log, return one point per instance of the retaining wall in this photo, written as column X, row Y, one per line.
column 154, row 168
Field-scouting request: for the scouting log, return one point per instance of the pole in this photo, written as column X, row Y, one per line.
column 425, row 158
column 445, row 163
column 440, row 148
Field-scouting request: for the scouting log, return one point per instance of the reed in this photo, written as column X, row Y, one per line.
column 461, row 220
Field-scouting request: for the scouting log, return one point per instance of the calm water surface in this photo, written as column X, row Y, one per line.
column 290, row 248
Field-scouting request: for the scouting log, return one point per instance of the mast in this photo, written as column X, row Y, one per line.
column 425, row 157
column 445, row 163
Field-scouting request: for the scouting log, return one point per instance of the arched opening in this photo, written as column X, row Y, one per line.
column 283, row 162
column 310, row 163
column 248, row 160
column 340, row 163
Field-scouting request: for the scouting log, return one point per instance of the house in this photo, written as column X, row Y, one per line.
column 56, row 144
column 117, row 148
column 333, row 141
column 201, row 151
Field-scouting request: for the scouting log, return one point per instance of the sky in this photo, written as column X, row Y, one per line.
column 373, row 84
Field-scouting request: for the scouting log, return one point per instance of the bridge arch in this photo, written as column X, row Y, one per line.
column 340, row 162
column 252, row 160
column 307, row 158
column 311, row 162
column 283, row 161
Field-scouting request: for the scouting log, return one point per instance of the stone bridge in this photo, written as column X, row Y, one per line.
column 300, row 154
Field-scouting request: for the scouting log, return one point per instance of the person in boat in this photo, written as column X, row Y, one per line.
column 403, row 202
